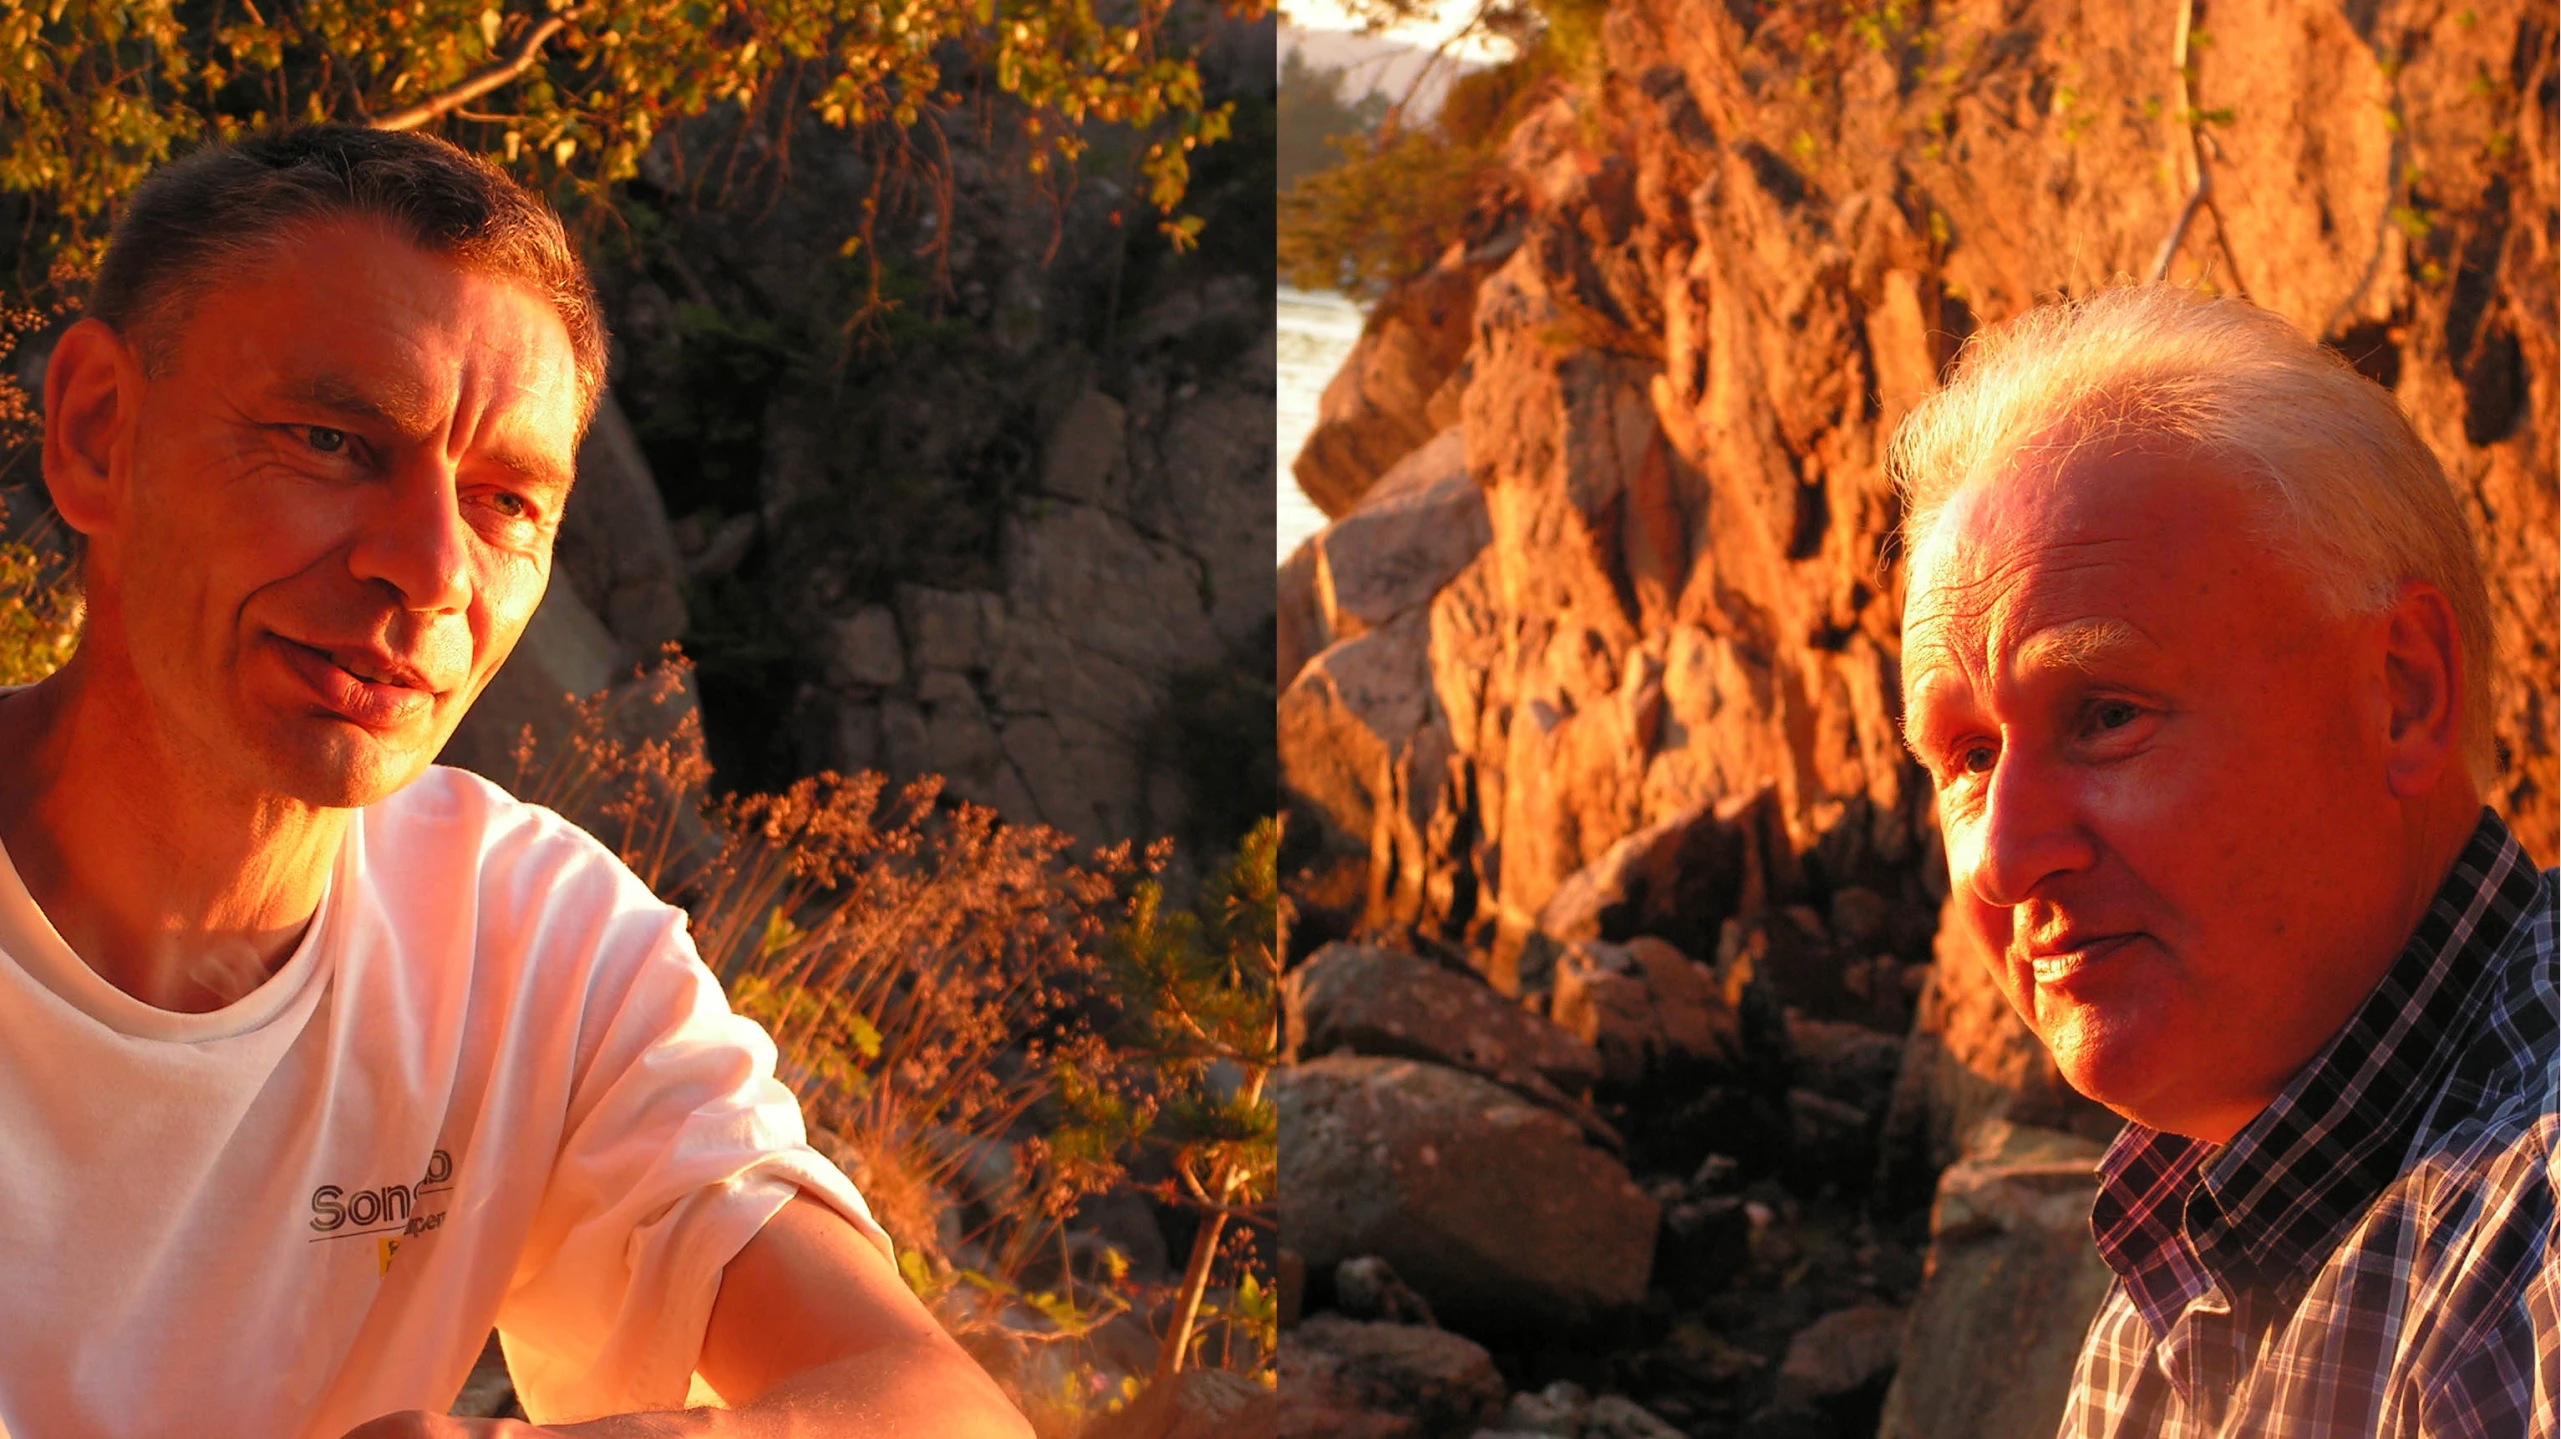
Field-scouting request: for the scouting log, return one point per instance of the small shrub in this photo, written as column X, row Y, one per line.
column 39, row 614
column 983, row 1026
column 1401, row 194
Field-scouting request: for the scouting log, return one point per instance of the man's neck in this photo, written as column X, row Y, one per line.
column 176, row 889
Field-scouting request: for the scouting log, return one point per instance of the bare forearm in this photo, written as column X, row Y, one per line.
column 923, row 1390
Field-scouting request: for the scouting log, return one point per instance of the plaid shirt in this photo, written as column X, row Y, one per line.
column 2376, row 1253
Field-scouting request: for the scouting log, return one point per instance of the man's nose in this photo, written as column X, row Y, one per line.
column 2030, row 830
column 416, row 542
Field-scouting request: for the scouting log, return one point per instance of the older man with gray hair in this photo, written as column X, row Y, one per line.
column 2196, row 647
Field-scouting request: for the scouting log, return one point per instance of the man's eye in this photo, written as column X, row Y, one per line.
column 324, row 439
column 2113, row 714
column 1974, row 759
column 511, row 505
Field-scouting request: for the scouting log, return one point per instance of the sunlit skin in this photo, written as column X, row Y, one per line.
column 314, row 533
column 312, row 538
column 2190, row 814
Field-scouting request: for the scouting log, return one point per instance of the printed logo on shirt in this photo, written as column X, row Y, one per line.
column 390, row 1212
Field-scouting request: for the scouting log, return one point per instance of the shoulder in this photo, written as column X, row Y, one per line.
column 452, row 818
column 2469, row 1226
column 2493, row 1130
column 451, row 846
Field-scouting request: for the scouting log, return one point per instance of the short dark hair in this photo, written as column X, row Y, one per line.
column 197, row 221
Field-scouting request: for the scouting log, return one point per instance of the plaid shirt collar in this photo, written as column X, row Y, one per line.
column 2175, row 1214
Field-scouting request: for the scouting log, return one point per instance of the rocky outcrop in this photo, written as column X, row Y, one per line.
column 1348, row 1379
column 994, row 507
column 616, row 551
column 1370, row 1000
column 1397, row 390
column 2013, row 1284
column 1745, row 255
column 1491, row 1206
column 1413, row 532
column 1563, row 1410
column 1652, row 1013
column 1357, row 727
column 1838, row 1367
column 1042, row 690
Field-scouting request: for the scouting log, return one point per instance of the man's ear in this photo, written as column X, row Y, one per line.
column 92, row 395
column 2423, row 664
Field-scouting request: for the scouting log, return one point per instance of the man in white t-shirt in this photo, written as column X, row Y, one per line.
column 315, row 1061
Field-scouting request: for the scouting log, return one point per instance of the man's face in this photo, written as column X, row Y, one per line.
column 339, row 511
column 2160, row 780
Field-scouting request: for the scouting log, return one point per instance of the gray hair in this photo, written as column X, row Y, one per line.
column 2353, row 497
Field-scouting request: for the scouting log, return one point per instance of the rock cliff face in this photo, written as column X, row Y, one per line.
column 1012, row 529
column 1592, row 684
column 1747, row 250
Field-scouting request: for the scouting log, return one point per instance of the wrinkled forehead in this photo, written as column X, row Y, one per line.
column 350, row 310
column 2086, row 544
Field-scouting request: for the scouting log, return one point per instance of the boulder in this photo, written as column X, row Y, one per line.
column 1372, row 1000
column 1565, row 1411
column 1491, row 1206
column 1411, row 535
column 1349, row 1379
column 2013, row 1282
column 867, row 649
column 1850, row 1063
column 1300, row 633
column 1348, row 718
column 1836, row 1356
column 615, row 548
column 1650, row 1011
column 1083, row 460
column 949, row 629
column 1680, row 879
column 1368, row 1288
column 1387, row 400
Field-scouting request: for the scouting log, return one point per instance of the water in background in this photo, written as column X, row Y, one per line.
column 1317, row 329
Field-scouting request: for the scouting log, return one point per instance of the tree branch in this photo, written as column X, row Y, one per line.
column 505, row 72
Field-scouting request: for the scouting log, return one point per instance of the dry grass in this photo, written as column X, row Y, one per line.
column 975, row 1017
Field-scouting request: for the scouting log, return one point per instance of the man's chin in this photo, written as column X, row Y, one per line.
column 344, row 770
column 2119, row 1061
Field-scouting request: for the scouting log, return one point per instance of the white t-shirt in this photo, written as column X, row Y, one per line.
column 494, row 1083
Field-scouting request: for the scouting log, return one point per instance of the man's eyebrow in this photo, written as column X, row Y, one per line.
column 2080, row 646
column 535, row 468
column 2083, row 645
column 1929, row 650
column 399, row 406
column 1909, row 730
column 406, row 411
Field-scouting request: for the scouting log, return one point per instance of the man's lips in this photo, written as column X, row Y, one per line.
column 2056, row 961
column 373, row 689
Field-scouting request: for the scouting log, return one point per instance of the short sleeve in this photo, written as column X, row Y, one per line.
column 680, row 1144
